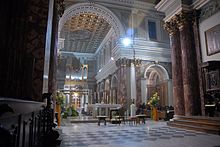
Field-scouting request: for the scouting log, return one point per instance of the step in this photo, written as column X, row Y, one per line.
column 215, row 125
column 199, row 118
column 195, row 128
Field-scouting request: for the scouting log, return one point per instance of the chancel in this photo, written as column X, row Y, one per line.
column 66, row 66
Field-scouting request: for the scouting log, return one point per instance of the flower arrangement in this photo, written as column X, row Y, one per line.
column 60, row 97
column 154, row 100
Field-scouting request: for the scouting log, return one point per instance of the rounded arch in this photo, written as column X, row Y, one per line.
column 114, row 81
column 154, row 69
column 97, row 9
column 157, row 78
column 107, row 84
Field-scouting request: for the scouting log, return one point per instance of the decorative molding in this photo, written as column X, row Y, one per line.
column 171, row 8
column 106, row 39
column 209, row 9
column 108, row 69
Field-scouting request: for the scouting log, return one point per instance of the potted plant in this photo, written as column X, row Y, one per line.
column 59, row 97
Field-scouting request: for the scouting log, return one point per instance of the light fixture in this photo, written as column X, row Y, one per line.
column 126, row 41
column 112, row 58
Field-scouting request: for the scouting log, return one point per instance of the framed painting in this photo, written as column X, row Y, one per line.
column 212, row 40
column 212, row 80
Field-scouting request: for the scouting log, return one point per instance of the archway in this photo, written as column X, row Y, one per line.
column 157, row 80
column 107, row 91
column 114, row 84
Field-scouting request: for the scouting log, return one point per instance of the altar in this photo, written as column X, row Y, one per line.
column 101, row 109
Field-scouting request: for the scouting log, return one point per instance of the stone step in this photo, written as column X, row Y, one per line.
column 203, row 124
column 207, row 124
column 194, row 128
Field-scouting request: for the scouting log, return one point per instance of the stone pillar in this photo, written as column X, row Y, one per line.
column 23, row 31
column 189, row 65
column 176, row 68
column 110, row 89
column 144, row 90
column 199, row 59
column 123, row 66
column 138, row 81
column 58, row 11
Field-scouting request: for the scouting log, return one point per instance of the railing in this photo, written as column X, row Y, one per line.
column 29, row 129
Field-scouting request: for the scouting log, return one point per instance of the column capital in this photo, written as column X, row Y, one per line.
column 123, row 62
column 171, row 27
column 183, row 18
column 137, row 62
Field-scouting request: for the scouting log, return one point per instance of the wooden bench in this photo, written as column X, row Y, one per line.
column 101, row 118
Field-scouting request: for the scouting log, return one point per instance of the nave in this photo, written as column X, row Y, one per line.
column 151, row 134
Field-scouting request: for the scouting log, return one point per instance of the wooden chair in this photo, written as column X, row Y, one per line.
column 121, row 114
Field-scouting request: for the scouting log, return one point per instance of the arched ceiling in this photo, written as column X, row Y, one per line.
column 83, row 33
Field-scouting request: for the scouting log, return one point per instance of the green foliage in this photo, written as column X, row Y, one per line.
column 70, row 111
column 154, row 100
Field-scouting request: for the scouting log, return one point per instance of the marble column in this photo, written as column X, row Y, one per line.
column 176, row 68
column 189, row 65
column 138, row 81
column 110, row 89
column 123, row 64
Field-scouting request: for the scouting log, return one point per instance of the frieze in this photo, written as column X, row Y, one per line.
column 209, row 9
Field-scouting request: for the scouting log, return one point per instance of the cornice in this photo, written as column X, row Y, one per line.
column 197, row 4
column 105, row 40
column 90, row 55
column 171, row 8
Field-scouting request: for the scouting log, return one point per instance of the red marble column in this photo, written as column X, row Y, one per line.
column 189, row 65
column 176, row 68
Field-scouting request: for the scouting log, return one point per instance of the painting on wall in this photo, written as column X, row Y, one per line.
column 212, row 80
column 212, row 38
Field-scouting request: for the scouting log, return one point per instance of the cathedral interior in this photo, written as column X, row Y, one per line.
column 67, row 65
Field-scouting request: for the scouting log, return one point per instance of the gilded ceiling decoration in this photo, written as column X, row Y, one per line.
column 84, row 33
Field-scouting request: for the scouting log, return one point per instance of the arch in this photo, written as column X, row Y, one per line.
column 159, row 69
column 114, row 81
column 107, row 84
column 157, row 80
column 97, row 9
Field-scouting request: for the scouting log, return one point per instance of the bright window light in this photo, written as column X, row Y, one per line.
column 126, row 41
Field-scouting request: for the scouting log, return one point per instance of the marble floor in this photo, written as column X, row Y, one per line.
column 150, row 134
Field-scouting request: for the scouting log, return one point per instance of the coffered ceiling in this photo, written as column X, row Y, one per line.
column 83, row 33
